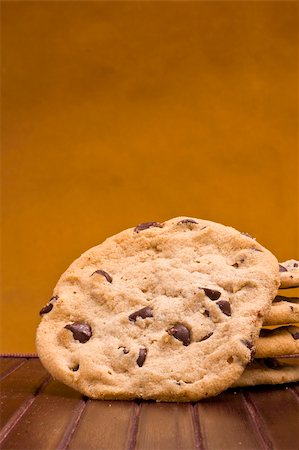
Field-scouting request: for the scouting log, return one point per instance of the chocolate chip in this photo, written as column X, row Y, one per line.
column 145, row 225
column 282, row 268
column 75, row 368
column 46, row 309
column 49, row 306
column 105, row 274
column 211, row 293
column 237, row 264
column 143, row 313
column 247, row 234
column 180, row 332
column 206, row 313
column 81, row 331
column 295, row 264
column 206, row 337
column 295, row 335
column 187, row 221
column 125, row 350
column 141, row 357
column 225, row 307
column 250, row 346
column 256, row 249
column 271, row 363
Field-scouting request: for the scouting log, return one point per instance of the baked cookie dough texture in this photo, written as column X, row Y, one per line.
column 166, row 311
column 289, row 273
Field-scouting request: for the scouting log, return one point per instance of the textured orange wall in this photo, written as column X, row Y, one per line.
column 119, row 113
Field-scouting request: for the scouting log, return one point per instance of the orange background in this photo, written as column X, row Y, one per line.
column 120, row 113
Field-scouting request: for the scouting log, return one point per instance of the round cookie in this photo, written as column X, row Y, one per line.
column 280, row 341
column 270, row 371
column 289, row 274
column 284, row 311
column 166, row 311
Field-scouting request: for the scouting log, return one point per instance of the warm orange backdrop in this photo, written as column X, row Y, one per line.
column 120, row 113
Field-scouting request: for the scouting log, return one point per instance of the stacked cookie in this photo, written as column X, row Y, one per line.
column 277, row 348
column 167, row 311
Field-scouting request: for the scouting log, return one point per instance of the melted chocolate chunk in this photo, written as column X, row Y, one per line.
column 211, row 293
column 81, row 331
column 295, row 335
column 105, row 274
column 141, row 357
column 187, row 221
column 295, row 264
column 143, row 313
column 206, row 337
column 181, row 333
column 47, row 308
column 282, row 268
column 145, row 225
column 225, row 307
column 75, row 368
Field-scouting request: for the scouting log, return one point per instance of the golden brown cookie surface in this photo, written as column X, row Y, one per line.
column 164, row 311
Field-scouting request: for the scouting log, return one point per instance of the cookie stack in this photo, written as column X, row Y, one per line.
column 171, row 311
column 277, row 348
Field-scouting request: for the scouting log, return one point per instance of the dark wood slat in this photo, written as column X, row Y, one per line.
column 226, row 424
column 7, row 365
column 19, row 386
column 165, row 426
column 105, row 423
column 45, row 423
column 279, row 411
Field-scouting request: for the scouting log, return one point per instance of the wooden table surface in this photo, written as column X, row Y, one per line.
column 40, row 413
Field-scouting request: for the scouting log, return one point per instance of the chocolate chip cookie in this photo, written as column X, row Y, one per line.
column 280, row 341
column 167, row 311
column 284, row 311
column 289, row 273
column 276, row 370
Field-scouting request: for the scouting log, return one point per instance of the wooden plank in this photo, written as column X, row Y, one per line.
column 165, row 426
column 7, row 365
column 105, row 423
column 48, row 422
column 279, row 412
column 225, row 424
column 19, row 386
column 295, row 388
